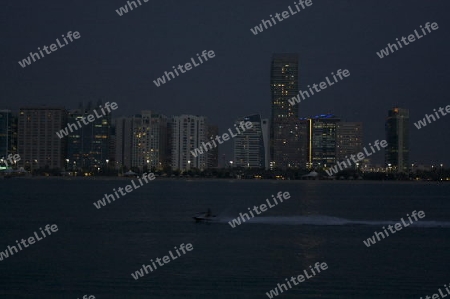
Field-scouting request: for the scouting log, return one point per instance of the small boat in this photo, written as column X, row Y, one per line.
column 204, row 217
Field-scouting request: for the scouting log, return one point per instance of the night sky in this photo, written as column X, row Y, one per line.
column 118, row 57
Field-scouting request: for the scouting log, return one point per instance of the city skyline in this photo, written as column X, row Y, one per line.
column 150, row 140
column 323, row 139
column 77, row 72
column 140, row 130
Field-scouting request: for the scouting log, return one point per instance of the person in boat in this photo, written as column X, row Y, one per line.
column 208, row 213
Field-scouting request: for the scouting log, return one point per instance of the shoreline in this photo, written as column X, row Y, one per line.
column 115, row 178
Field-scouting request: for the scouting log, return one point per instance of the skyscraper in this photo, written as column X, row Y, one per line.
column 284, row 135
column 304, row 130
column 265, row 130
column 284, row 85
column 322, row 140
column 124, row 141
column 212, row 155
column 158, row 141
column 8, row 133
column 38, row 145
column 251, row 146
column 397, row 137
column 149, row 140
column 88, row 147
column 188, row 132
column 112, row 146
column 141, row 141
column 349, row 139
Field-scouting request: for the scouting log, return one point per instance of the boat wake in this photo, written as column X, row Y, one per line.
column 333, row 221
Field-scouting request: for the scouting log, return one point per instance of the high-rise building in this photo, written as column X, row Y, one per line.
column 188, row 132
column 112, row 146
column 169, row 140
column 8, row 133
column 304, row 130
column 124, row 141
column 212, row 160
column 286, row 144
column 322, row 140
column 251, row 147
column 38, row 145
column 397, row 137
column 88, row 147
column 284, row 134
column 349, row 139
column 141, row 141
column 265, row 130
column 149, row 140
column 284, row 85
column 159, row 141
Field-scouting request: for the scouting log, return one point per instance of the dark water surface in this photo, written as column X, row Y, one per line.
column 95, row 251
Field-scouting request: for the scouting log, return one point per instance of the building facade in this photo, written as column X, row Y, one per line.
column 397, row 137
column 322, row 141
column 8, row 133
column 349, row 139
column 141, row 141
column 38, row 145
column 124, row 141
column 284, row 126
column 188, row 132
column 149, row 140
column 212, row 160
column 88, row 148
column 251, row 147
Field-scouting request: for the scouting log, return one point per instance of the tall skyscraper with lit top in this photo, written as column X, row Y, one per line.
column 284, row 133
column 397, row 137
column 284, row 85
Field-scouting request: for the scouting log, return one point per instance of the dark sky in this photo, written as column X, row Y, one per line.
column 117, row 59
